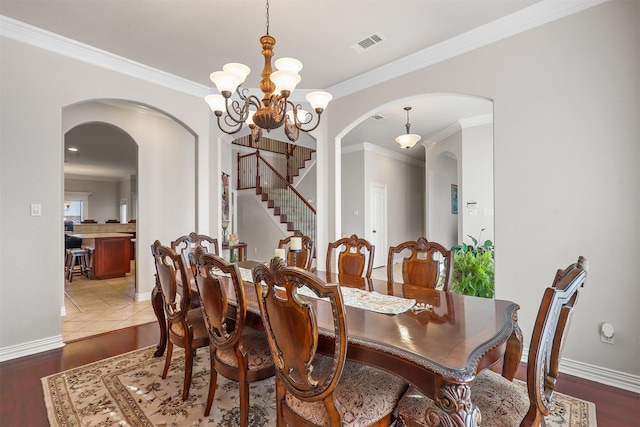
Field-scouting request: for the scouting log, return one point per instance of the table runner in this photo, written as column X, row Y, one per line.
column 369, row 300
column 352, row 297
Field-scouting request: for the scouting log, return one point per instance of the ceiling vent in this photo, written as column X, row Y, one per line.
column 367, row 43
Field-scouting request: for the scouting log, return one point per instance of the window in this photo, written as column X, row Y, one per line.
column 72, row 211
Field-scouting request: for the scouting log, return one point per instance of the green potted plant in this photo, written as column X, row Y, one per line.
column 473, row 268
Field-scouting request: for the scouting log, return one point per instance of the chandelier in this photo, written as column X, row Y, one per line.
column 409, row 139
column 275, row 109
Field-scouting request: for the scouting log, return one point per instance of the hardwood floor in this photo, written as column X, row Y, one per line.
column 22, row 403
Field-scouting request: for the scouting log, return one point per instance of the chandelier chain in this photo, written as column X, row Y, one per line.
column 267, row 17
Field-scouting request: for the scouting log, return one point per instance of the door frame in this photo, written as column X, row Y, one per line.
column 380, row 254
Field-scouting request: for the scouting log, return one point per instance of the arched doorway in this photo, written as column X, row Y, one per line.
column 166, row 184
column 368, row 151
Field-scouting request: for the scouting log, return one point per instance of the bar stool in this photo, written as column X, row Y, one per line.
column 78, row 262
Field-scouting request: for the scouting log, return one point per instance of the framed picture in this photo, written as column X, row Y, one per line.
column 454, row 199
column 225, row 196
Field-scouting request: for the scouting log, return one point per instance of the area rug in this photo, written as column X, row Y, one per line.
column 127, row 390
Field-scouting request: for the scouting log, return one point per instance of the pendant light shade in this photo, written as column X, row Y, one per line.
column 408, row 140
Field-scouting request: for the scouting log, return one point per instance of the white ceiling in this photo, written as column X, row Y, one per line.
column 192, row 38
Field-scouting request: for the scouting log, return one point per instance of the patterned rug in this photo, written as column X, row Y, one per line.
column 127, row 390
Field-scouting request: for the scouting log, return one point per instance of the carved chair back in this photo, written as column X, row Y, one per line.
column 212, row 273
column 170, row 274
column 425, row 264
column 292, row 332
column 186, row 246
column 552, row 324
column 352, row 255
column 304, row 258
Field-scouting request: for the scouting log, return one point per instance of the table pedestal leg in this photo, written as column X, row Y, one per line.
column 457, row 410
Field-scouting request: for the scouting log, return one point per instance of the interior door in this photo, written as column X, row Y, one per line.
column 378, row 222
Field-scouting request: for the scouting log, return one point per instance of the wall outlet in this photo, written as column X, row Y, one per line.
column 607, row 333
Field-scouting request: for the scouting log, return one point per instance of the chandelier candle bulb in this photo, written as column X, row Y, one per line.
column 285, row 81
column 216, row 103
column 288, row 64
column 241, row 71
column 280, row 253
column 226, row 82
column 319, row 100
column 296, row 243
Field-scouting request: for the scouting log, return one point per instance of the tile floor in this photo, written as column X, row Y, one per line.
column 96, row 306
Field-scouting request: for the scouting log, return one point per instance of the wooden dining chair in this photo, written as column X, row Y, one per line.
column 304, row 258
column 353, row 256
column 313, row 389
column 189, row 242
column 186, row 246
column 185, row 325
column 424, row 263
column 237, row 352
column 503, row 403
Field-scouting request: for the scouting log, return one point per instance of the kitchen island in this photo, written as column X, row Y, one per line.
column 111, row 253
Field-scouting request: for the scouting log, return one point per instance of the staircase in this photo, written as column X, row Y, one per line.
column 296, row 155
column 292, row 209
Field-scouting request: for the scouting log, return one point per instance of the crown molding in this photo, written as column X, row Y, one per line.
column 482, row 119
column 367, row 146
column 443, row 134
column 52, row 42
column 469, row 122
column 533, row 16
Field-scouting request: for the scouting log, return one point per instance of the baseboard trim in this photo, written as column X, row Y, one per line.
column 597, row 374
column 29, row 348
column 142, row 296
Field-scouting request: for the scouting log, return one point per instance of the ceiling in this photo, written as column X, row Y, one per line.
column 192, row 38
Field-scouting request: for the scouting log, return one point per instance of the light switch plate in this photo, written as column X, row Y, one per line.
column 36, row 210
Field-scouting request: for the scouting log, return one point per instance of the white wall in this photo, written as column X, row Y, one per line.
column 353, row 207
column 104, row 201
column 405, row 195
column 257, row 230
column 443, row 173
column 566, row 108
column 567, row 181
column 306, row 182
column 477, row 183
column 31, row 172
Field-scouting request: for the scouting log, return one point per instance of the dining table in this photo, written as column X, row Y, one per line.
column 437, row 341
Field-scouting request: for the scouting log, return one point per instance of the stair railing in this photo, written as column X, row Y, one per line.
column 296, row 155
column 254, row 171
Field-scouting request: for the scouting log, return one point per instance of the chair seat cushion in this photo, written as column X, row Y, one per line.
column 502, row 403
column 257, row 347
column 365, row 394
column 194, row 316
